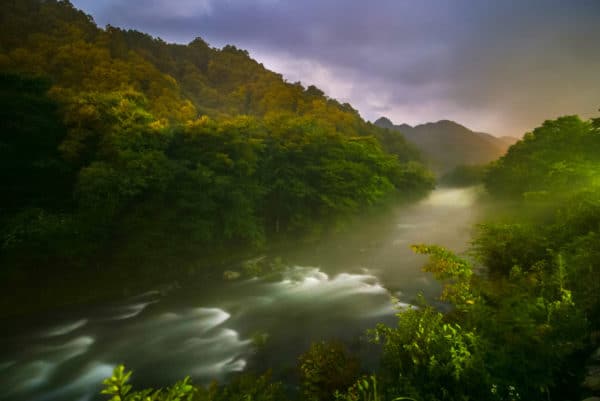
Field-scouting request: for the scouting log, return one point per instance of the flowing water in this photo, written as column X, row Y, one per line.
column 336, row 289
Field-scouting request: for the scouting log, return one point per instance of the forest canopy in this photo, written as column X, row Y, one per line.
column 122, row 150
column 521, row 308
column 125, row 160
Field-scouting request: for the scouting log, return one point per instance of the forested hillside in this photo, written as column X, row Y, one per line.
column 123, row 153
column 523, row 306
column 527, row 300
column 127, row 162
column 447, row 144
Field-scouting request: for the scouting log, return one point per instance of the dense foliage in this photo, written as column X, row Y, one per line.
column 552, row 178
column 123, row 156
column 326, row 368
column 140, row 155
column 119, row 388
column 552, row 160
column 463, row 175
column 523, row 321
column 523, row 309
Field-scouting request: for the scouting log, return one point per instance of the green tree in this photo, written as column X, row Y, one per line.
column 326, row 368
column 426, row 358
column 117, row 386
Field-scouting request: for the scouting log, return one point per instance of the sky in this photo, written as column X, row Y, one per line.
column 501, row 67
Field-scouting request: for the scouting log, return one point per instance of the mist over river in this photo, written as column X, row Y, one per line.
column 335, row 289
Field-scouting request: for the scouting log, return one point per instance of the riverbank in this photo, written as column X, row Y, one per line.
column 48, row 288
column 336, row 288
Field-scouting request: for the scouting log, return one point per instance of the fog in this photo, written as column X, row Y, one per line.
column 335, row 289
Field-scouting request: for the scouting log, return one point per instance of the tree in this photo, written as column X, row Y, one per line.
column 325, row 368
column 117, row 386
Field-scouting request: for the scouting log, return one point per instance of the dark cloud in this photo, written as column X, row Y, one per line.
column 497, row 66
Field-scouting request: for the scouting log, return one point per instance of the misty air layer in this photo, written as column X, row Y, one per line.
column 213, row 216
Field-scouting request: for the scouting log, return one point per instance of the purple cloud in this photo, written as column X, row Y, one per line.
column 501, row 67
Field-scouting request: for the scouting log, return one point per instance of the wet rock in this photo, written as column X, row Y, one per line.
column 231, row 275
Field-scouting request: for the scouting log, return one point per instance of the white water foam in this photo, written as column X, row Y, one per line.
column 213, row 317
column 221, row 367
column 65, row 328
column 82, row 388
column 312, row 282
column 63, row 352
column 27, row 377
column 130, row 311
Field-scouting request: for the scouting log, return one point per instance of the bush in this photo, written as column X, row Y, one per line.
column 325, row 368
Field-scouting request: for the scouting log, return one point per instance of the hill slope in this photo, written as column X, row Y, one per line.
column 447, row 144
column 147, row 158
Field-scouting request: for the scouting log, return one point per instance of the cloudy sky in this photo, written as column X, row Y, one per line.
column 496, row 66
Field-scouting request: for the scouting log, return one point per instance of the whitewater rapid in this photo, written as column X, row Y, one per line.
column 207, row 331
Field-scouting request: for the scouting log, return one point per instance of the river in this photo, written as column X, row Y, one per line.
column 335, row 289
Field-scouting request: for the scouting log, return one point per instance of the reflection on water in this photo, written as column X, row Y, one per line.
column 336, row 289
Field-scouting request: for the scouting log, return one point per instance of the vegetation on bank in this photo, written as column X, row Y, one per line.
column 524, row 306
column 463, row 176
column 124, row 156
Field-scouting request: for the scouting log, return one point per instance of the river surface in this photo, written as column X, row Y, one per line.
column 335, row 289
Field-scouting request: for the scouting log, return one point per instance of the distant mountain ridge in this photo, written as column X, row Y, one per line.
column 447, row 144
